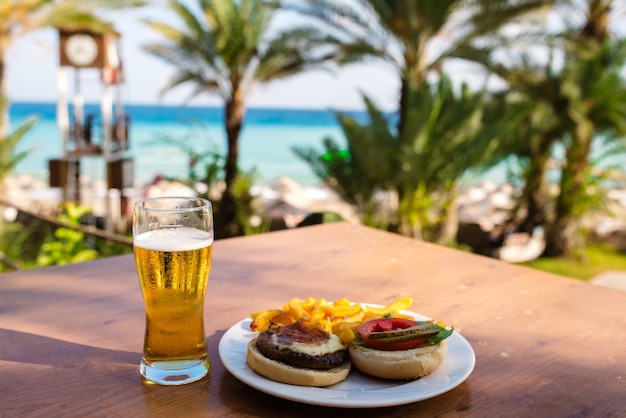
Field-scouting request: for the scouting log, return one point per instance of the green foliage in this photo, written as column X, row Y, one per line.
column 12, row 236
column 20, row 243
column 441, row 134
column 443, row 138
column 68, row 245
column 416, row 38
column 591, row 261
column 203, row 165
column 595, row 95
column 8, row 157
column 107, row 248
column 247, row 214
column 29, row 242
column 365, row 168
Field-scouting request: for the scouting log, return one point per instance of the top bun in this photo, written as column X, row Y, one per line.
column 401, row 364
column 281, row 372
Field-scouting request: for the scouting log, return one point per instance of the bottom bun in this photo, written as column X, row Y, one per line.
column 402, row 364
column 281, row 372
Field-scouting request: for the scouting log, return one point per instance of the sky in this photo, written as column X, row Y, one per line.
column 33, row 66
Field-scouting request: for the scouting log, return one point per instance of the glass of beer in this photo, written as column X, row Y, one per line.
column 173, row 243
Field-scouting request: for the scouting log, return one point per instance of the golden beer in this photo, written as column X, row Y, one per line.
column 173, row 265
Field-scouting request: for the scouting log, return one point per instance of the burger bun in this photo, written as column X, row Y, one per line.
column 399, row 365
column 283, row 373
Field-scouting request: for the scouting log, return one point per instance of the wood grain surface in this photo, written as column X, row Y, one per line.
column 546, row 346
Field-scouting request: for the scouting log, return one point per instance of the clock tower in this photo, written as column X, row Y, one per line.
column 87, row 131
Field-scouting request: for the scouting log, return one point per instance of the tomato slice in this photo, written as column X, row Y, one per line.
column 389, row 324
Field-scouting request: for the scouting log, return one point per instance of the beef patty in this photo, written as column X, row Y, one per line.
column 297, row 333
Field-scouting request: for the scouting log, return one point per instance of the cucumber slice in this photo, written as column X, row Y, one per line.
column 405, row 334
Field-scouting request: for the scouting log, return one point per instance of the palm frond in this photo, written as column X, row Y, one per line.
column 294, row 51
column 8, row 157
column 77, row 14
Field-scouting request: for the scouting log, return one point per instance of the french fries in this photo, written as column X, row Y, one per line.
column 340, row 317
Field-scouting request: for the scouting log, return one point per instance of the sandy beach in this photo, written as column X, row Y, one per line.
column 485, row 204
column 284, row 198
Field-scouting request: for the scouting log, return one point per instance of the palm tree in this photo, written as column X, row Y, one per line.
column 596, row 92
column 18, row 17
column 575, row 102
column 534, row 91
column 228, row 48
column 417, row 38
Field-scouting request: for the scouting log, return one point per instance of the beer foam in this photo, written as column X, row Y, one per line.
column 174, row 239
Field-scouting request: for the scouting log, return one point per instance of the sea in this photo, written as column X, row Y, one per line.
column 162, row 136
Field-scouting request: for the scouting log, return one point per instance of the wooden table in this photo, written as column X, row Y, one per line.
column 545, row 345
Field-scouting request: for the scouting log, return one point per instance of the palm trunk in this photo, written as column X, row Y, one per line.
column 443, row 229
column 4, row 113
column 563, row 234
column 534, row 189
column 227, row 224
column 4, row 100
column 403, row 103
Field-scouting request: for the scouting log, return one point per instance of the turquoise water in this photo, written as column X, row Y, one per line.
column 265, row 142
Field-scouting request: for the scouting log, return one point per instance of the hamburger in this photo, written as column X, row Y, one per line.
column 398, row 348
column 299, row 355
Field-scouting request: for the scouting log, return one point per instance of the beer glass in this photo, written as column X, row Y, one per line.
column 173, row 243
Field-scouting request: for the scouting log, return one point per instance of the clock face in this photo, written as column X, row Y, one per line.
column 81, row 49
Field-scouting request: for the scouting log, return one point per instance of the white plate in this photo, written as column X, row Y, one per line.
column 358, row 390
